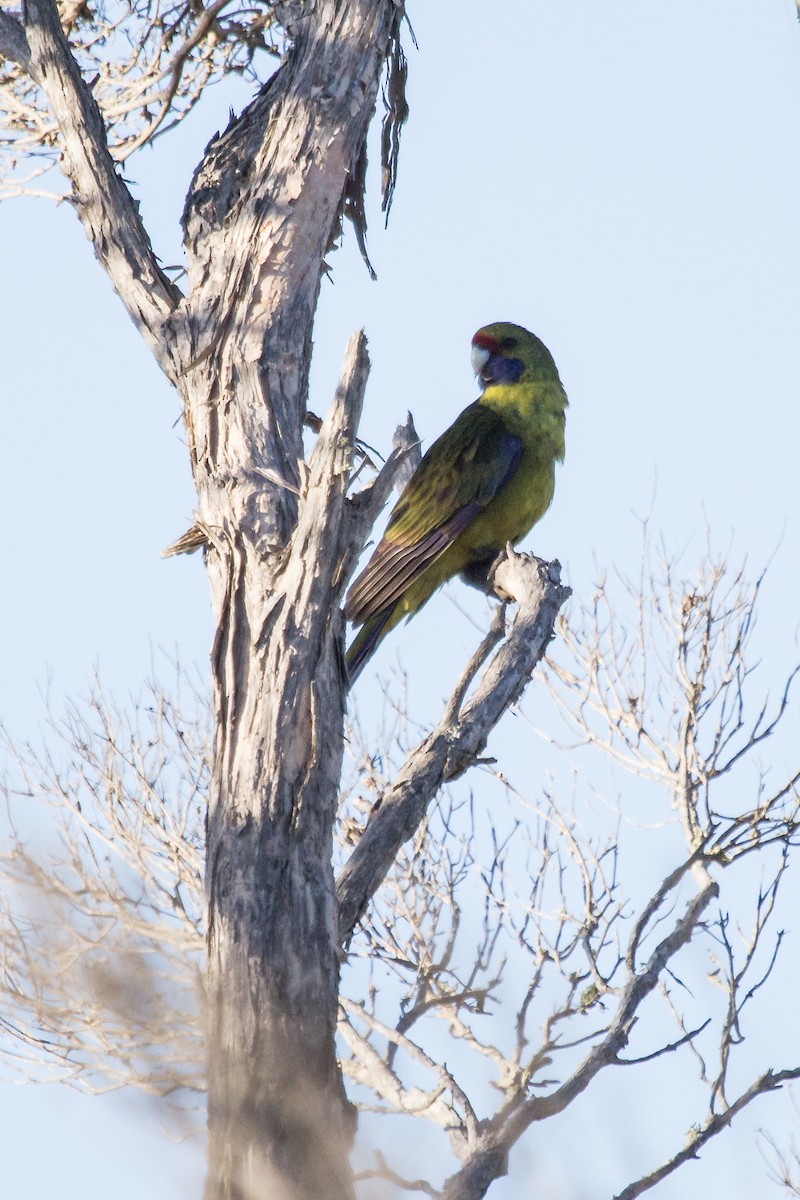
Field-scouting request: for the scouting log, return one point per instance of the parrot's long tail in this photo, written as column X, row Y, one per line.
column 366, row 642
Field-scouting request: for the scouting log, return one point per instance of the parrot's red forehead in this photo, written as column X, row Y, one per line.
column 486, row 342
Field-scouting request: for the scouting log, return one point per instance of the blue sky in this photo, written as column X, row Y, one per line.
column 621, row 178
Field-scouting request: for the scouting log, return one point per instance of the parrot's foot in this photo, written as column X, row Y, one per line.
column 508, row 552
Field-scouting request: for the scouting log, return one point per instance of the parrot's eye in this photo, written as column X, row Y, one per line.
column 508, row 343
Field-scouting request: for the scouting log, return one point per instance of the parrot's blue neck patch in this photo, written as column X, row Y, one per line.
column 498, row 369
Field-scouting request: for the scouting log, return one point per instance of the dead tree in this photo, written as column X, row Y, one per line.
column 280, row 535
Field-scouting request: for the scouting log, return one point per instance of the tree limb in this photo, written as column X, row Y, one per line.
column 768, row 1082
column 102, row 201
column 14, row 44
column 322, row 533
column 461, row 735
column 489, row 1159
column 366, row 505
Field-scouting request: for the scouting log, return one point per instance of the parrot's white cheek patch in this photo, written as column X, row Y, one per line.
column 480, row 357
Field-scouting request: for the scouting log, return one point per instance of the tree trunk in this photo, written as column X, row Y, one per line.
column 258, row 220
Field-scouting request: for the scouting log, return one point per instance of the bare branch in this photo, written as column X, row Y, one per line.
column 319, row 536
column 457, row 741
column 456, row 1116
column 366, row 505
column 384, row 1171
column 101, row 934
column 101, row 199
column 770, row 1081
column 149, row 65
column 688, row 1037
column 489, row 1157
column 14, row 44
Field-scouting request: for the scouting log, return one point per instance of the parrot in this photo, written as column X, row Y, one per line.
column 484, row 483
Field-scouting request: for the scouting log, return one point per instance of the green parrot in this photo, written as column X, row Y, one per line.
column 482, row 484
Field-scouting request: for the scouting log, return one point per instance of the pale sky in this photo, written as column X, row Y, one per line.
column 622, row 178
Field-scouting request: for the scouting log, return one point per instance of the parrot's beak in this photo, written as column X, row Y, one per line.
column 480, row 356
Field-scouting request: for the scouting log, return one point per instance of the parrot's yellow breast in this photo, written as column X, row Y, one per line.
column 535, row 414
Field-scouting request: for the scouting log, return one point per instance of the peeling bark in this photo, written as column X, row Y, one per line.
column 258, row 220
column 277, row 1110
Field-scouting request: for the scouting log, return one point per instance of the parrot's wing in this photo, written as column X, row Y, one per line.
column 455, row 481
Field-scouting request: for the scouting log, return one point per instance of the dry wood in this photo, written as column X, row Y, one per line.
column 461, row 735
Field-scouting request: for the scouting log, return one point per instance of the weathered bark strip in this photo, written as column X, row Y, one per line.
column 365, row 507
column 321, row 536
column 258, row 221
column 103, row 203
column 14, row 44
column 461, row 735
column 279, row 1124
